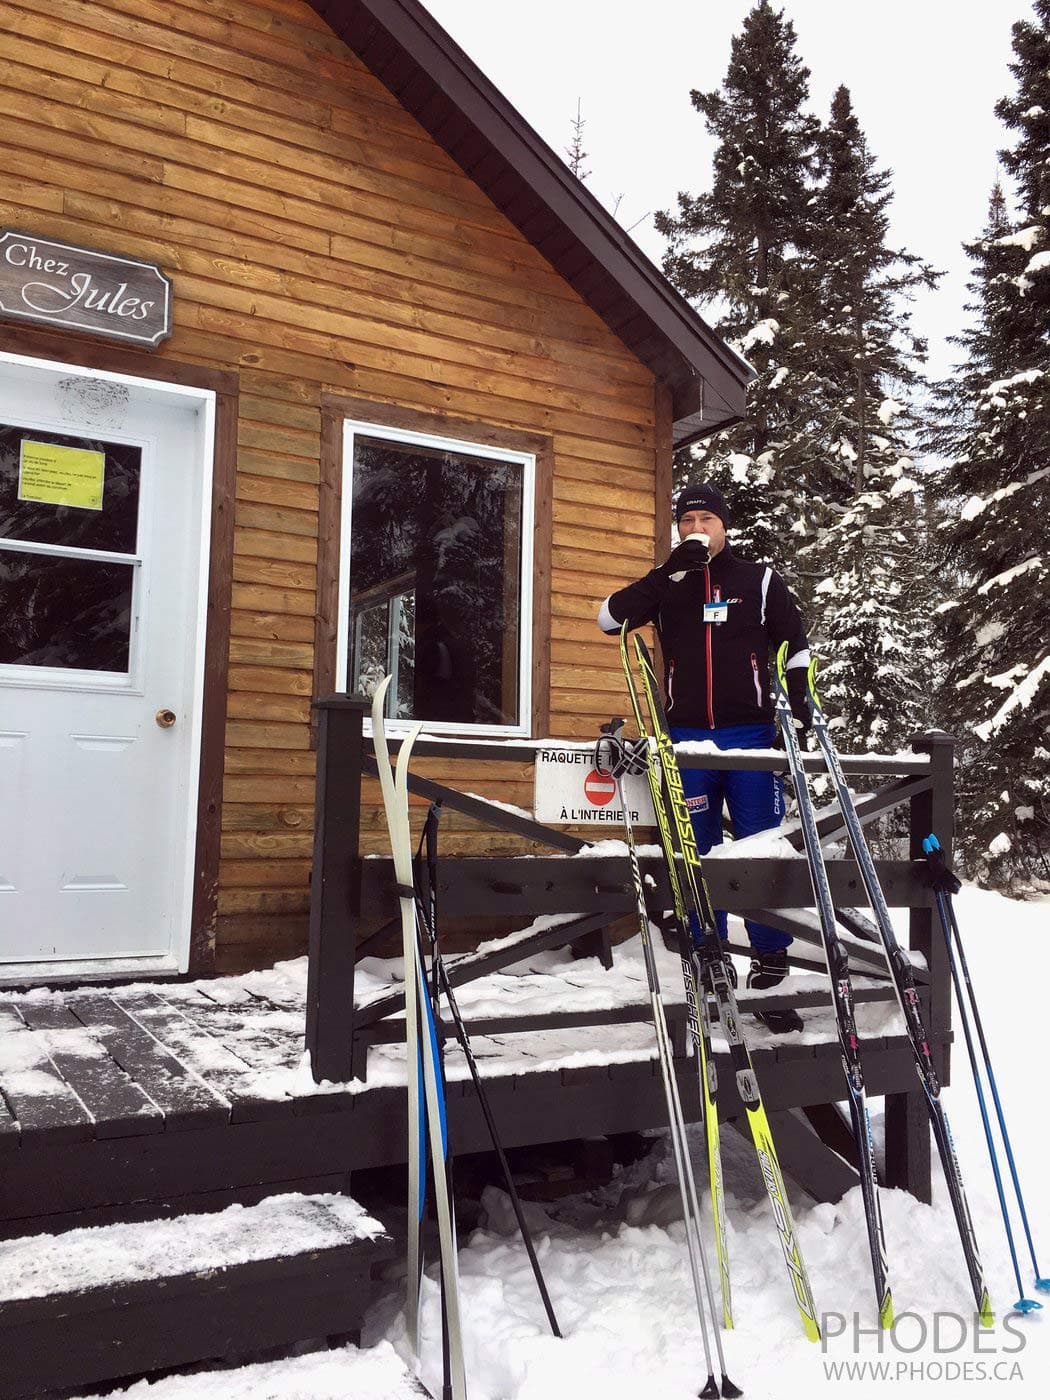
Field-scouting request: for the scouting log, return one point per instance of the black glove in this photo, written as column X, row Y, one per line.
column 691, row 554
column 616, row 756
column 798, row 694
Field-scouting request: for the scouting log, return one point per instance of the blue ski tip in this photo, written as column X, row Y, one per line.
column 1027, row 1305
column 1043, row 1284
column 931, row 844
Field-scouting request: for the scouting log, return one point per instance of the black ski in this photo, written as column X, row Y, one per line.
column 841, row 998
column 908, row 999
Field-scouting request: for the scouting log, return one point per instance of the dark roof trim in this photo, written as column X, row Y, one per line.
column 452, row 99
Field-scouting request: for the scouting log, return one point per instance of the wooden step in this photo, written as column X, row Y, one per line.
column 131, row 1298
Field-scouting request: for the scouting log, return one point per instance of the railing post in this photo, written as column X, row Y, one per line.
column 335, row 884
column 908, row 1160
column 934, row 811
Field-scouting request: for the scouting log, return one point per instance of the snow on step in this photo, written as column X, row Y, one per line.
column 38, row 1097
column 39, row 1266
column 345, row 1374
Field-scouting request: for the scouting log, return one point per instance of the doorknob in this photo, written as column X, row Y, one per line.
column 166, row 718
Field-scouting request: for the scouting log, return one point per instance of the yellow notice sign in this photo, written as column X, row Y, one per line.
column 61, row 476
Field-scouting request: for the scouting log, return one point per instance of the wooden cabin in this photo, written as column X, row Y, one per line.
column 315, row 362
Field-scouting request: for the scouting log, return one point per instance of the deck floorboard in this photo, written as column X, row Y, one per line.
column 117, row 1104
column 184, row 1099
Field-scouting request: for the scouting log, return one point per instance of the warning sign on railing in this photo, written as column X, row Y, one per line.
column 571, row 792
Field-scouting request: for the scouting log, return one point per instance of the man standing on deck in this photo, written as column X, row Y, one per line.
column 717, row 617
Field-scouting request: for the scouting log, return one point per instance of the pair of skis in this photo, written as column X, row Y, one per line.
column 424, row 1074
column 707, row 987
column 424, row 1068
column 842, row 999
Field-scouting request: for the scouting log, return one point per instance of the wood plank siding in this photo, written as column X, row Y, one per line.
column 322, row 244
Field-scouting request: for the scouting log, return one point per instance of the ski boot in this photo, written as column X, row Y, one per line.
column 769, row 970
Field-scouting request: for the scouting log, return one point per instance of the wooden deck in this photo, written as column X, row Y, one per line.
column 141, row 1101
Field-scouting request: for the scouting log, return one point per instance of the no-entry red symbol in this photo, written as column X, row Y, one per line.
column 599, row 788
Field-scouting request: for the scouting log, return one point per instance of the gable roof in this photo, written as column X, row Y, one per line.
column 431, row 76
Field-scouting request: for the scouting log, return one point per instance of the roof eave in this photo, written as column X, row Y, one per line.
column 400, row 41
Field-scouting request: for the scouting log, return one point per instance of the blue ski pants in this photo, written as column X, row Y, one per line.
column 755, row 801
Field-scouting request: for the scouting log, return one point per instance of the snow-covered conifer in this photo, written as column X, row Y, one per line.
column 741, row 246
column 995, row 503
column 866, row 568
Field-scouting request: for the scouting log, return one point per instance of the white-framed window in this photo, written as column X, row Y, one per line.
column 435, row 578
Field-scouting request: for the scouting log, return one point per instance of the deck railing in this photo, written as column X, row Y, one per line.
column 349, row 893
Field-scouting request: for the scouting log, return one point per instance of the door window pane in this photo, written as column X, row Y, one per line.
column 72, row 613
column 41, row 471
column 435, row 581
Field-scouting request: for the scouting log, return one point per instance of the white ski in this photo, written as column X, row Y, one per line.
column 417, row 1005
column 416, row 1172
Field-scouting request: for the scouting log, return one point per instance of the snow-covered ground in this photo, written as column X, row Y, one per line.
column 616, row 1267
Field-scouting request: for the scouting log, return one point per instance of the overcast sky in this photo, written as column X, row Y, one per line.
column 924, row 76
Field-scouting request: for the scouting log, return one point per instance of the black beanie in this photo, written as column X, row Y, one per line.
column 702, row 496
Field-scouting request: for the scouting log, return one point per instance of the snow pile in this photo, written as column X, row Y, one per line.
column 615, row 1263
column 616, row 1267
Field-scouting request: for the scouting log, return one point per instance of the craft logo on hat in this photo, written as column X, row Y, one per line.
column 701, row 496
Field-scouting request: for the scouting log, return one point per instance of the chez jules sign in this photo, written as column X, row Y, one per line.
column 56, row 284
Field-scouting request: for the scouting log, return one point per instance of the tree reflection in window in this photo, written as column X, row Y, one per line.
column 58, row 608
column 435, row 581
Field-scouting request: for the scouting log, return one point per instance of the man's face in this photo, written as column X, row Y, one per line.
column 702, row 522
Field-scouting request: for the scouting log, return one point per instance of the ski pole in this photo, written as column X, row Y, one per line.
column 946, row 883
column 428, row 919
column 613, row 757
column 430, row 836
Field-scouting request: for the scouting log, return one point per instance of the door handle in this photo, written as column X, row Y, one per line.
column 166, row 718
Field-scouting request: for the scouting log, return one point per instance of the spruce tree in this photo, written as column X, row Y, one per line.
column 995, row 502
column 866, row 565
column 743, row 246
column 578, row 157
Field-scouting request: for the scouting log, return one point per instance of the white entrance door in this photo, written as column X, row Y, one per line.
column 103, row 581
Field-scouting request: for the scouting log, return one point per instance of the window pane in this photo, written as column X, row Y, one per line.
column 74, row 491
column 385, row 644
column 435, row 580
column 73, row 613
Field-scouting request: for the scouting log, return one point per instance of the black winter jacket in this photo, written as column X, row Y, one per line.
column 715, row 673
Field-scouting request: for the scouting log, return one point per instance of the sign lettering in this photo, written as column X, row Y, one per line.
column 570, row 791
column 57, row 284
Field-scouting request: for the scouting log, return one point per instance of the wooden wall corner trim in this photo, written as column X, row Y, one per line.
column 663, row 476
column 330, row 509
column 203, row 928
column 542, row 563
